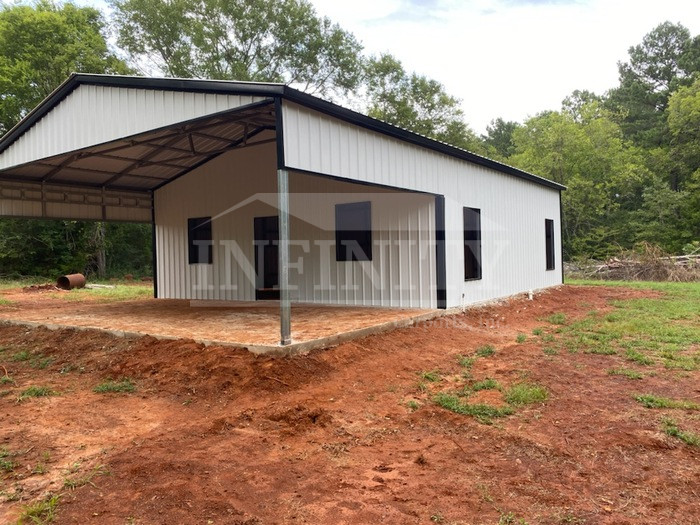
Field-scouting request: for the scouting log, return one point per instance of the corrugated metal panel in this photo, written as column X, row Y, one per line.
column 28, row 199
column 94, row 114
column 512, row 209
column 402, row 272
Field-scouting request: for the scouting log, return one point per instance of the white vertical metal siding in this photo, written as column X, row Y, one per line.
column 241, row 185
column 95, row 114
column 512, row 209
column 402, row 270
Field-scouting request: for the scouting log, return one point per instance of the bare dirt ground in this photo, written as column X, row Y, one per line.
column 345, row 435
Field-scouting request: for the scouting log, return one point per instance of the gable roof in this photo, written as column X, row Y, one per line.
column 257, row 89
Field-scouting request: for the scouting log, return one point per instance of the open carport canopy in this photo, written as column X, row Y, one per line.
column 114, row 179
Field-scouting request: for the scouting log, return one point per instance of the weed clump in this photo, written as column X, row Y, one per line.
column 526, row 394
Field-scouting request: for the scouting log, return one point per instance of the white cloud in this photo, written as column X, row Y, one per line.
column 509, row 58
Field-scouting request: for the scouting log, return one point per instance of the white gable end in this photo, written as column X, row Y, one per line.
column 92, row 115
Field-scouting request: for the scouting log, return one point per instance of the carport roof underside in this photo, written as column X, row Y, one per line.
column 146, row 161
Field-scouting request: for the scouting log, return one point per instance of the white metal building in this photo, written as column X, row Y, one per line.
column 259, row 191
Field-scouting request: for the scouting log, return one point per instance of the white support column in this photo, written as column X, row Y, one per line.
column 283, row 249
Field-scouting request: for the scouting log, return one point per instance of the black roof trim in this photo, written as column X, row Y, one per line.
column 260, row 89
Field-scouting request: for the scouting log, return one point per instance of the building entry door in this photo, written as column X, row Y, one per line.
column 267, row 236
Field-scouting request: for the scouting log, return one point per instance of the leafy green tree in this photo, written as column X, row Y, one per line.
column 684, row 126
column 605, row 175
column 499, row 138
column 40, row 46
column 44, row 248
column 666, row 59
column 582, row 105
column 663, row 217
column 416, row 103
column 256, row 40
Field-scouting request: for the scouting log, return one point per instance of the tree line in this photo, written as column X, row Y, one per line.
column 630, row 157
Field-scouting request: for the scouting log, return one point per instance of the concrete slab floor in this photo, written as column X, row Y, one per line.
column 253, row 325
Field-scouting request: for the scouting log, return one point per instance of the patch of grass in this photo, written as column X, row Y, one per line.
column 633, row 355
column 537, row 331
column 120, row 292
column 548, row 338
column 23, row 355
column 41, row 512
column 526, row 393
column 558, row 318
column 6, row 465
column 548, row 350
column 39, row 468
column 413, row 405
column 521, row 338
column 672, row 360
column 432, row 376
column 5, row 302
column 7, row 380
column 110, row 386
column 671, row 429
column 86, row 479
column 655, row 325
column 485, row 351
column 486, row 384
column 482, row 412
column 36, row 391
column 628, row 373
column 465, row 361
column 652, row 401
column 600, row 350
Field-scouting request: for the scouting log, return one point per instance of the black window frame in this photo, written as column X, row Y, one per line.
column 550, row 258
column 362, row 236
column 471, row 218
column 198, row 231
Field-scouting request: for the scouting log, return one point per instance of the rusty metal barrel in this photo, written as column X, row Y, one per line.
column 73, row 280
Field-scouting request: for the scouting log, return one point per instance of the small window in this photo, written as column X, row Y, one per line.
column 199, row 240
column 353, row 231
column 472, row 244
column 549, row 242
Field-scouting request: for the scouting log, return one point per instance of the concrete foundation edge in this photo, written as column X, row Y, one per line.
column 292, row 349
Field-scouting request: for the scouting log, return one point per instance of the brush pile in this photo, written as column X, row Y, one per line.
column 647, row 264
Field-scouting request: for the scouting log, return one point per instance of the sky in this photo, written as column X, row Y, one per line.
column 505, row 58
column 509, row 58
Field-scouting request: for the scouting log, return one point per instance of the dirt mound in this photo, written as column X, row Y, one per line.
column 48, row 287
column 301, row 418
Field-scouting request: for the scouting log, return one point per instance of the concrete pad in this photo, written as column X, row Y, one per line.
column 250, row 325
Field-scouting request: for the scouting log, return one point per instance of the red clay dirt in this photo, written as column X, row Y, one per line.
column 219, row 436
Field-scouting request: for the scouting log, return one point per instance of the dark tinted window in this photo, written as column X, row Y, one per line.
column 472, row 243
column 199, row 240
column 549, row 242
column 353, row 231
